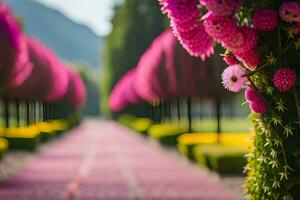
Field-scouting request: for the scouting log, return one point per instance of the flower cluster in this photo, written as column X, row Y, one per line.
column 184, row 16
column 262, row 42
column 197, row 29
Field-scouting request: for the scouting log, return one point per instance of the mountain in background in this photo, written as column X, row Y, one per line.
column 71, row 41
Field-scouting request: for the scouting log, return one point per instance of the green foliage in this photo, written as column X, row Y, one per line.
column 229, row 125
column 126, row 119
column 223, row 159
column 274, row 167
column 135, row 24
column 23, row 143
column 166, row 133
column 186, row 150
column 141, row 125
column 3, row 147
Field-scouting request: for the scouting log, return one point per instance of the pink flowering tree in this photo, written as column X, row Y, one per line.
column 166, row 72
column 262, row 40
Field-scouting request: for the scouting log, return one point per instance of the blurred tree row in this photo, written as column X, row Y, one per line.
column 135, row 24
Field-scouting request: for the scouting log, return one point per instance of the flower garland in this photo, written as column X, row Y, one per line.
column 262, row 41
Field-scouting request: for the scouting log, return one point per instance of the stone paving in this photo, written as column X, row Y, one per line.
column 102, row 160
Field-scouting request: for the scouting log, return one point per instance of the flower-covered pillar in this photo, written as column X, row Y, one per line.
column 262, row 41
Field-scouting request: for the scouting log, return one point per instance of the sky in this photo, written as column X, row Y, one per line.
column 96, row 14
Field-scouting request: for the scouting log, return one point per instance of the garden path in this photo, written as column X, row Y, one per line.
column 102, row 160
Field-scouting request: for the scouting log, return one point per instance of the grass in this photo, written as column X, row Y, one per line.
column 166, row 133
column 228, row 125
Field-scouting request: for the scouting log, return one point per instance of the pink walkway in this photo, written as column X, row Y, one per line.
column 101, row 160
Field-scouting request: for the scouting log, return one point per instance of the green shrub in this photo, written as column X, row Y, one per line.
column 223, row 159
column 187, row 141
column 166, row 133
column 186, row 150
column 141, row 124
column 126, row 119
column 3, row 147
column 25, row 143
column 46, row 136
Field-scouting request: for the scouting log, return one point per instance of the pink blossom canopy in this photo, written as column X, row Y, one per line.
column 14, row 63
column 166, row 71
column 48, row 80
column 124, row 92
column 75, row 95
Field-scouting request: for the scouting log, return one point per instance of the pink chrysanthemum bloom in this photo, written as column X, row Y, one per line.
column 187, row 25
column 223, row 7
column 251, row 94
column 245, row 39
column 220, row 28
column 233, row 78
column 182, row 10
column 290, row 12
column 230, row 60
column 236, row 42
column 250, row 59
column 259, row 105
column 284, row 79
column 198, row 43
column 265, row 20
column 250, row 40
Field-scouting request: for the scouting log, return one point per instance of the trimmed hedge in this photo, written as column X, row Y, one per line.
column 46, row 131
column 3, row 147
column 166, row 133
column 52, row 128
column 187, row 142
column 24, row 138
column 223, row 159
column 141, row 124
column 126, row 120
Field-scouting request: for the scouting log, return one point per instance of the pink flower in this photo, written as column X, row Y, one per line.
column 187, row 27
column 259, row 105
column 230, row 60
column 236, row 42
column 197, row 42
column 222, row 8
column 245, row 39
column 220, row 28
column 290, row 12
column 250, row 59
column 182, row 10
column 265, row 20
column 284, row 79
column 251, row 94
column 233, row 78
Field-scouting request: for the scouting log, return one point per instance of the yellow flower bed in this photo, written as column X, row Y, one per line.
column 3, row 144
column 44, row 127
column 235, row 139
column 58, row 125
column 20, row 132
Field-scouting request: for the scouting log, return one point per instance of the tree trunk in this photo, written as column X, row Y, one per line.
column 189, row 114
column 218, row 107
